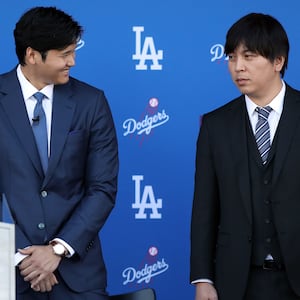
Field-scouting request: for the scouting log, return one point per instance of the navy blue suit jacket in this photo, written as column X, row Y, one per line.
column 74, row 198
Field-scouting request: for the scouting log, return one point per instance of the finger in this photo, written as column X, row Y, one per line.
column 31, row 276
column 26, row 251
column 53, row 279
column 35, row 288
column 37, row 280
column 48, row 284
column 25, row 263
column 43, row 286
column 26, row 270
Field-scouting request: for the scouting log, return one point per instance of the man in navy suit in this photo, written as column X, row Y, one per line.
column 245, row 234
column 59, row 205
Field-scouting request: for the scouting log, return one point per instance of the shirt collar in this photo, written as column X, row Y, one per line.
column 276, row 104
column 28, row 89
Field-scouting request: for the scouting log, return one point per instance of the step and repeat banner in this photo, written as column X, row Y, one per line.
column 162, row 66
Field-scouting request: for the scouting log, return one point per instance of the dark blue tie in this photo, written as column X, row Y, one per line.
column 39, row 127
column 262, row 132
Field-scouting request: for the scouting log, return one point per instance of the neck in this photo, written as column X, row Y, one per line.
column 29, row 75
column 265, row 98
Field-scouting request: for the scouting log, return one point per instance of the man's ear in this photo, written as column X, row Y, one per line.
column 31, row 56
column 278, row 63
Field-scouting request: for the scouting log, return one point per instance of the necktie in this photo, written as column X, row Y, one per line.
column 39, row 128
column 262, row 132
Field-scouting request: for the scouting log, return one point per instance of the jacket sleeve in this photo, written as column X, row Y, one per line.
column 100, row 182
column 205, row 210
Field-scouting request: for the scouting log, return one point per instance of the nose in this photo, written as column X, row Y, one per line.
column 239, row 64
column 71, row 60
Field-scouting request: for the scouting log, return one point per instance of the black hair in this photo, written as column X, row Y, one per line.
column 43, row 29
column 261, row 34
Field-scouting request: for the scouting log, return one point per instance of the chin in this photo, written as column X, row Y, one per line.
column 62, row 81
column 244, row 90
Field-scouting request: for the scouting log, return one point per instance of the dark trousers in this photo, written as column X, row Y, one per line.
column 269, row 285
column 61, row 291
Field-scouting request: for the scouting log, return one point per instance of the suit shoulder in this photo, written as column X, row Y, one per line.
column 7, row 77
column 292, row 91
column 86, row 95
column 224, row 109
column 81, row 86
column 9, row 73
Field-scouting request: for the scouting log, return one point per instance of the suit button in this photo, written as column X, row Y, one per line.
column 268, row 240
column 44, row 194
column 267, row 221
column 266, row 181
column 41, row 226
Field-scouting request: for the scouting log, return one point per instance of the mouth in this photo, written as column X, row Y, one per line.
column 241, row 81
column 66, row 71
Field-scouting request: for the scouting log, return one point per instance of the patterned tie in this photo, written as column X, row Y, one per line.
column 262, row 132
column 39, row 128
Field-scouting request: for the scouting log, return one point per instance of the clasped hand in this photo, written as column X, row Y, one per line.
column 38, row 267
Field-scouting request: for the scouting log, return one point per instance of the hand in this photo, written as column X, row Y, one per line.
column 39, row 264
column 46, row 284
column 205, row 291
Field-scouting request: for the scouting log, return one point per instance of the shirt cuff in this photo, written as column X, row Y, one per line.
column 18, row 258
column 202, row 280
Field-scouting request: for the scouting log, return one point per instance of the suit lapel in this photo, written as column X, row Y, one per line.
column 62, row 114
column 288, row 123
column 14, row 107
column 238, row 140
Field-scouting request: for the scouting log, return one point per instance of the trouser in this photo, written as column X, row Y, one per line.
column 269, row 285
column 61, row 291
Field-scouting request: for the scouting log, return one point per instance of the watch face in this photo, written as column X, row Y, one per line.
column 59, row 249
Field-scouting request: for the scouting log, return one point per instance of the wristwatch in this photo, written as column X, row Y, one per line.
column 59, row 250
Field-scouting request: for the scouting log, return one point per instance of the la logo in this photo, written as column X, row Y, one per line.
column 147, row 201
column 147, row 52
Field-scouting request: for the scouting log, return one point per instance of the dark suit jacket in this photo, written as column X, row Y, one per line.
column 221, row 230
column 73, row 200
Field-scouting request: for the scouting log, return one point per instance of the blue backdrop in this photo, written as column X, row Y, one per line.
column 161, row 65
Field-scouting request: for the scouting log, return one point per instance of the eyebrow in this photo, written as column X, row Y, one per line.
column 68, row 51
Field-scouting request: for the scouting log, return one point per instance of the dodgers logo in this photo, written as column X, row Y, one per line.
column 217, row 52
column 146, row 52
column 145, row 200
column 153, row 118
column 153, row 267
column 80, row 44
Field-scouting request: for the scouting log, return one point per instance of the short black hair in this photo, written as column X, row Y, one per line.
column 259, row 33
column 43, row 29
